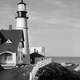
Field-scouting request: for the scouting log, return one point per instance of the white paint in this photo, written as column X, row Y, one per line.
column 40, row 49
column 21, row 7
column 21, row 23
column 30, row 76
column 9, row 41
column 39, row 65
column 26, row 43
column 11, row 62
column 20, row 52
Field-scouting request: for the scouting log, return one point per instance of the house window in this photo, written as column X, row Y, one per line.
column 8, row 57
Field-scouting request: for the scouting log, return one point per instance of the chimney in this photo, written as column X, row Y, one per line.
column 10, row 27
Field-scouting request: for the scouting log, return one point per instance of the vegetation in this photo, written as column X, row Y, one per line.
column 52, row 71
column 21, row 73
column 1, row 68
column 55, row 71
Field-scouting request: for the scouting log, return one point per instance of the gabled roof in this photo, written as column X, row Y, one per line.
column 12, row 35
column 34, row 55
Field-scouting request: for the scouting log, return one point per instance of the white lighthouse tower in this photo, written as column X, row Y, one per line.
column 21, row 24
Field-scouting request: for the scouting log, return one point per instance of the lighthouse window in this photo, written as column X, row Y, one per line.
column 23, row 14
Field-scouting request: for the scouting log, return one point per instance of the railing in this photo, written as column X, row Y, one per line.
column 39, row 65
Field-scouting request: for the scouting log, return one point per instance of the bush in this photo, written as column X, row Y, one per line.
column 1, row 68
column 55, row 71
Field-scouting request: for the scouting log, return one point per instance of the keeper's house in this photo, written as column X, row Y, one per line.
column 14, row 45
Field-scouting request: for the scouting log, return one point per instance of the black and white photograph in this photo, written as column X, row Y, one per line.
column 39, row 39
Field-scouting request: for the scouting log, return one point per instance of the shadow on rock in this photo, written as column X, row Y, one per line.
column 55, row 71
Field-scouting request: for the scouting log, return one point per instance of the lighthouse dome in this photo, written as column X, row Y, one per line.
column 22, row 2
column 21, row 6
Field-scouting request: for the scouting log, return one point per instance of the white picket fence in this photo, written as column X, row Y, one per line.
column 39, row 65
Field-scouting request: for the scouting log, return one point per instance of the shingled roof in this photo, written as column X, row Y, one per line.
column 9, row 40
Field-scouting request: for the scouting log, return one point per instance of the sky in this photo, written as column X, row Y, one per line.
column 53, row 24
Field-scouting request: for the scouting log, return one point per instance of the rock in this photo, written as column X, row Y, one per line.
column 55, row 71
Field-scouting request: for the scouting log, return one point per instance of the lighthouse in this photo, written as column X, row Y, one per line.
column 21, row 24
